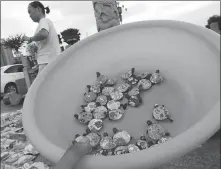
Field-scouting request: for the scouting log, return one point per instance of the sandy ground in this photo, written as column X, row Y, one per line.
column 205, row 157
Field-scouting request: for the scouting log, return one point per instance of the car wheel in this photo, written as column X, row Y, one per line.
column 11, row 87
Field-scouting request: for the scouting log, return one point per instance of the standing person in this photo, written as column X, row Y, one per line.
column 45, row 35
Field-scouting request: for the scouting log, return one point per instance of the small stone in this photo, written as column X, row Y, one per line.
column 100, row 112
column 113, row 105
column 116, row 95
column 102, row 100
column 133, row 148
column 95, row 125
column 116, row 114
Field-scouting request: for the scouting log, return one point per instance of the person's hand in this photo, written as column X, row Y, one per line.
column 74, row 154
column 26, row 38
column 81, row 148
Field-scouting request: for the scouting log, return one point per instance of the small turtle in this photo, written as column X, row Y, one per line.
column 89, row 107
column 121, row 137
column 164, row 139
column 143, row 75
column 116, row 95
column 160, row 113
column 101, row 79
column 134, row 91
column 100, row 112
column 111, row 82
column 97, row 152
column 134, row 101
column 132, row 80
column 114, row 105
column 102, row 100
column 144, row 84
column 90, row 97
column 133, row 148
column 121, row 150
column 93, row 137
column 107, row 152
column 123, row 87
column 116, row 114
column 155, row 131
column 128, row 74
column 142, row 143
column 84, row 117
column 156, row 77
column 107, row 91
column 94, row 88
column 95, row 125
column 107, row 142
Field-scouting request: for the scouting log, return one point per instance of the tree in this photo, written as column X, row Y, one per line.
column 71, row 36
column 14, row 42
column 32, row 49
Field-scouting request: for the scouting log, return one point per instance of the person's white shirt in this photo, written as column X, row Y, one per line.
column 49, row 48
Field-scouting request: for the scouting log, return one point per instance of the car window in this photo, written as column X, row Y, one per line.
column 14, row 69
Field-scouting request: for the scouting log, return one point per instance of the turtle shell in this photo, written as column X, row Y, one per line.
column 113, row 105
column 111, row 82
column 121, row 138
column 156, row 77
column 161, row 113
column 95, row 125
column 123, row 87
column 134, row 91
column 142, row 144
column 90, row 97
column 102, row 100
column 116, row 114
column 155, row 131
column 116, row 95
column 101, row 79
column 132, row 80
column 95, row 88
column 164, row 139
column 94, row 139
column 107, row 143
column 135, row 101
column 100, row 112
column 121, row 150
column 107, row 91
column 84, row 117
column 144, row 84
column 133, row 148
column 143, row 75
column 127, row 75
column 90, row 107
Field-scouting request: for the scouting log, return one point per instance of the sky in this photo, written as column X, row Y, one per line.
column 80, row 14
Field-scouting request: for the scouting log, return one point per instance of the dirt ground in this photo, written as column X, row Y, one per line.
column 205, row 157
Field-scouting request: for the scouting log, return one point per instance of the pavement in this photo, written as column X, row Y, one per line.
column 205, row 157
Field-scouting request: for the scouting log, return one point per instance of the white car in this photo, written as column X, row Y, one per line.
column 9, row 75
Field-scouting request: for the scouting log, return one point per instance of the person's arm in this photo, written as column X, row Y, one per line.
column 73, row 155
column 42, row 34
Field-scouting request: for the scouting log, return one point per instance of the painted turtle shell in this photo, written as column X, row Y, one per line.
column 116, row 95
column 161, row 113
column 121, row 137
column 123, row 87
column 133, row 148
column 155, row 131
column 100, row 112
column 90, row 97
column 121, row 150
column 95, row 125
column 107, row 91
column 101, row 79
column 116, row 114
column 107, row 142
column 84, row 117
column 102, row 100
column 144, row 84
column 156, row 77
